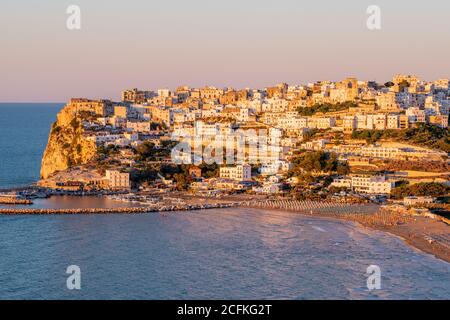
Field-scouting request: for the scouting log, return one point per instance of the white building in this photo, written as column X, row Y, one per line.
column 349, row 122
column 321, row 122
column 268, row 188
column 104, row 138
column 117, row 179
column 376, row 121
column 393, row 121
column 164, row 93
column 292, row 122
column 436, row 106
column 206, row 129
column 415, row 115
column 413, row 201
column 275, row 105
column 364, row 184
column 238, row 173
column 315, row 144
column 138, row 126
column 387, row 101
column 244, row 114
column 274, row 167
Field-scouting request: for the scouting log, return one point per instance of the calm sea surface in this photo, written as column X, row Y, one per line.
column 236, row 254
column 24, row 130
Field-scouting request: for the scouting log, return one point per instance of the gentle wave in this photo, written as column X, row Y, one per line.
column 221, row 254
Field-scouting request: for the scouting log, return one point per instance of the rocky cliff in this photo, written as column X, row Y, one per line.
column 66, row 145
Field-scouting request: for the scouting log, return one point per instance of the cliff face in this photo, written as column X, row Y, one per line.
column 66, row 146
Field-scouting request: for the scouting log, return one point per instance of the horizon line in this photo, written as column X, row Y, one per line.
column 24, row 102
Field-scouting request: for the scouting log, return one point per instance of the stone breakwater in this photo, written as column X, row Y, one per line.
column 133, row 210
column 15, row 201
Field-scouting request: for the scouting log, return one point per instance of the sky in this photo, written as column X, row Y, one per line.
column 238, row 43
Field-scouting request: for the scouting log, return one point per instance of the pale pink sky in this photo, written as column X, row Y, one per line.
column 245, row 43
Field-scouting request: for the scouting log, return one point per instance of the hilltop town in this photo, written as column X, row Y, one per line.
column 348, row 141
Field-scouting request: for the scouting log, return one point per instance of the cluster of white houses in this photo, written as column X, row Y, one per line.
column 218, row 113
column 375, row 151
column 211, row 111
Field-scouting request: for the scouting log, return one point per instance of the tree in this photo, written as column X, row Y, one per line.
column 325, row 108
column 431, row 189
column 342, row 169
column 425, row 135
column 182, row 181
column 145, row 150
column 209, row 170
column 317, row 161
column 403, row 85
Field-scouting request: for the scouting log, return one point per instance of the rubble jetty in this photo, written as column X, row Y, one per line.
column 133, row 210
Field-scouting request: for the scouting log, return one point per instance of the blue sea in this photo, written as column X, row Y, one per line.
column 24, row 130
column 213, row 254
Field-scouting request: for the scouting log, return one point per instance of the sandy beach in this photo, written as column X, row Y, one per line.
column 428, row 235
column 425, row 234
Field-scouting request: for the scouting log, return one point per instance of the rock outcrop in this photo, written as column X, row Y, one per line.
column 66, row 147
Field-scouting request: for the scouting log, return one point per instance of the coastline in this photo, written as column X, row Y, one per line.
column 436, row 249
column 410, row 229
column 281, row 243
column 406, row 232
